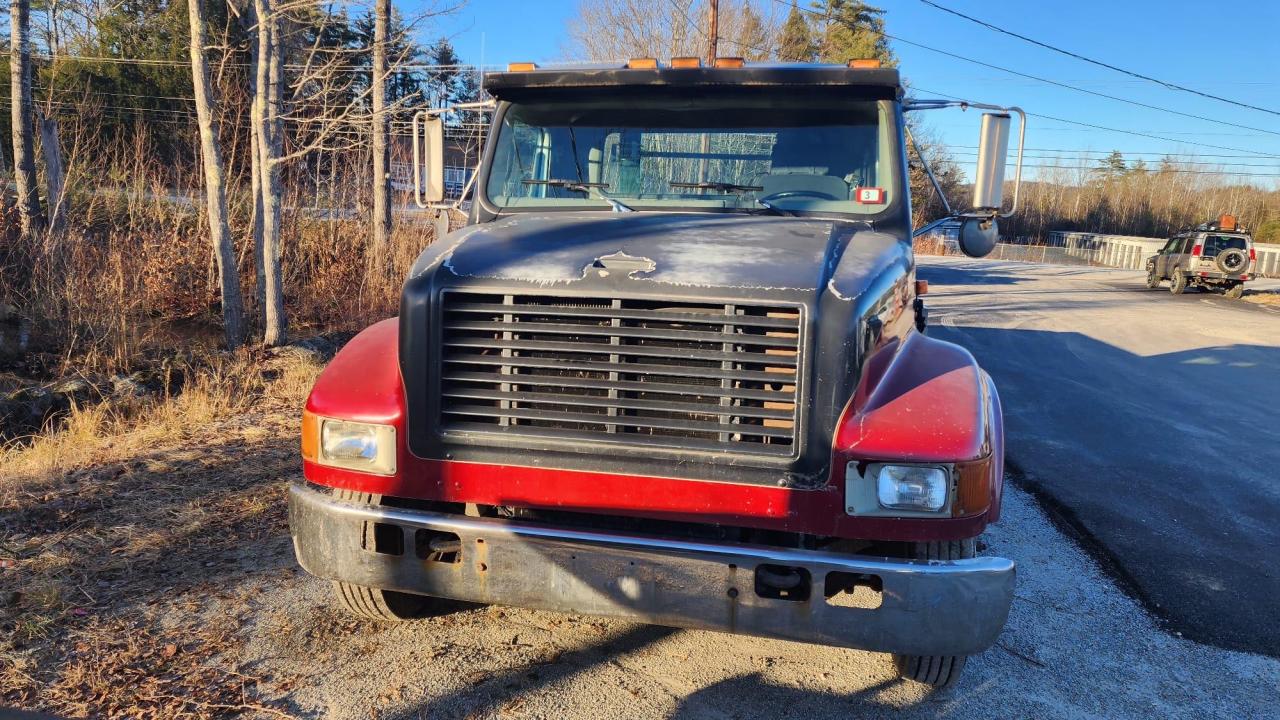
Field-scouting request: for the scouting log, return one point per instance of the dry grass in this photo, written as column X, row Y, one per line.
column 117, row 533
column 1265, row 297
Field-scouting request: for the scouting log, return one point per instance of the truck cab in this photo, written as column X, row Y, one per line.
column 672, row 370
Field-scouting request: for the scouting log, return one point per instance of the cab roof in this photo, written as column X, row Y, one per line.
column 880, row 83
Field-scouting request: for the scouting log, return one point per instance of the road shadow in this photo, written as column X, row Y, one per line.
column 1164, row 466
column 966, row 275
column 495, row 691
column 753, row 690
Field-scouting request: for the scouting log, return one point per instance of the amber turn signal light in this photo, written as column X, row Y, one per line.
column 310, row 435
column 973, row 487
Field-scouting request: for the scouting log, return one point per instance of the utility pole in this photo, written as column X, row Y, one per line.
column 713, row 37
column 24, row 159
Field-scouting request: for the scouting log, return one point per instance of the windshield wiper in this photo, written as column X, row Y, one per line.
column 774, row 209
column 721, row 186
column 595, row 189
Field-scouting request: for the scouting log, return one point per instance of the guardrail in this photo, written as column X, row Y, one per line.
column 1130, row 252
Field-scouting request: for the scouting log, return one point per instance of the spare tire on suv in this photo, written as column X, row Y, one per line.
column 1232, row 261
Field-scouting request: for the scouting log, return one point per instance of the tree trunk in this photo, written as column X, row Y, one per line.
column 214, row 184
column 266, row 114
column 255, row 187
column 53, row 175
column 24, row 160
column 381, row 156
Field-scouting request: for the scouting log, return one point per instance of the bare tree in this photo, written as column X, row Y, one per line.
column 266, row 123
column 215, row 186
column 255, row 180
column 607, row 30
column 24, row 161
column 381, row 152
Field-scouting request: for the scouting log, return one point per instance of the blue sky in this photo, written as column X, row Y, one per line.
column 1226, row 48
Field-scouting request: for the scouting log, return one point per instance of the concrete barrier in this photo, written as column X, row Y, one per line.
column 1130, row 252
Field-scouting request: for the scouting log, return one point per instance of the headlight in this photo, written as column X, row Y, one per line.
column 366, row 447
column 912, row 487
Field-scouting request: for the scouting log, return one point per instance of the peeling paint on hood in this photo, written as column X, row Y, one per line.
column 702, row 250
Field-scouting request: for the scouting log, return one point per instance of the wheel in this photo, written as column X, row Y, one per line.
column 1232, row 261
column 1153, row 279
column 376, row 603
column 1178, row 283
column 1235, row 292
column 940, row 671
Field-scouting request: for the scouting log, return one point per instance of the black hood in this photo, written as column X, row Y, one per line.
column 744, row 252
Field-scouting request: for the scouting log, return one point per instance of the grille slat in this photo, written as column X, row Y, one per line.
column 608, row 331
column 602, row 419
column 651, row 388
column 619, row 403
column 596, row 347
column 657, row 373
column 625, row 314
column 630, row 368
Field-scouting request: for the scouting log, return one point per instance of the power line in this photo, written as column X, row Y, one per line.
column 1079, row 89
column 1068, row 53
column 1047, row 117
column 1130, row 152
column 1111, row 129
column 1068, row 155
column 160, row 62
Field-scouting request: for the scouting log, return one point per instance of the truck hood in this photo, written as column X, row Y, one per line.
column 689, row 250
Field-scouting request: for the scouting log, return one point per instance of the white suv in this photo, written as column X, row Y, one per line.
column 1214, row 255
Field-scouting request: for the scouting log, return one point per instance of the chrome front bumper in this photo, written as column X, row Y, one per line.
column 933, row 608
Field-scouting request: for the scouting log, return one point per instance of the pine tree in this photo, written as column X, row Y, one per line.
column 1112, row 166
column 853, row 30
column 795, row 43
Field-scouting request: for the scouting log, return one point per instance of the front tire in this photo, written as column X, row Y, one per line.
column 1178, row 284
column 376, row 603
column 939, row 671
column 1153, row 278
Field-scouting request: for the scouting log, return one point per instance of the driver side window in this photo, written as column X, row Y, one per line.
column 1172, row 246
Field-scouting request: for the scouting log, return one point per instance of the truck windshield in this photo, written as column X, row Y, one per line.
column 754, row 154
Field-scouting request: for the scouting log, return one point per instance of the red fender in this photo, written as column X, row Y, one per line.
column 923, row 400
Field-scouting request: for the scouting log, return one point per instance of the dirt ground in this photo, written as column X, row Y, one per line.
column 164, row 586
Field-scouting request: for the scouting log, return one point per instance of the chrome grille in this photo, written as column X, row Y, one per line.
column 677, row 374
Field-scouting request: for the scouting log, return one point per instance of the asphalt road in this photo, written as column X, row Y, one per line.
column 1147, row 422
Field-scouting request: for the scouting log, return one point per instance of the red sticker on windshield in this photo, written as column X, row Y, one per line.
column 870, row 195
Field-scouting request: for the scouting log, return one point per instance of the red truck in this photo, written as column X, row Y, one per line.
column 673, row 370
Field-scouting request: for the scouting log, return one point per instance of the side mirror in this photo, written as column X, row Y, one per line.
column 993, row 154
column 978, row 236
column 428, row 159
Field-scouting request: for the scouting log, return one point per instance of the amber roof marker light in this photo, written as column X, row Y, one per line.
column 521, row 67
column 686, row 63
column 645, row 63
column 730, row 62
column 864, row 64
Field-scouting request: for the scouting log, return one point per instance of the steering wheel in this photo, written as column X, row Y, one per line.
column 797, row 193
